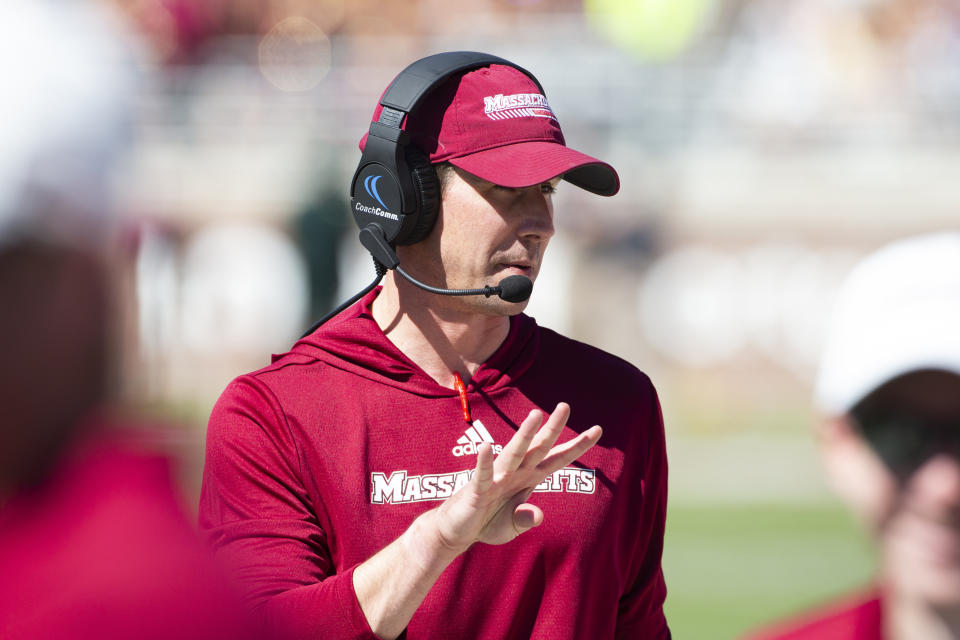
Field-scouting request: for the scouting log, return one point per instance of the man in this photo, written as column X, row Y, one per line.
column 94, row 542
column 889, row 390
column 397, row 472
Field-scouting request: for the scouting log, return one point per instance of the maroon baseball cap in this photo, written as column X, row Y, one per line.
column 495, row 123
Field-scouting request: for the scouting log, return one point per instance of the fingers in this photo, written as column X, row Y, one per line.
column 533, row 439
column 548, row 434
column 533, row 444
column 483, row 475
column 515, row 451
column 563, row 454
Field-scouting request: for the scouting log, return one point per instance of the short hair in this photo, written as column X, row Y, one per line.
column 444, row 170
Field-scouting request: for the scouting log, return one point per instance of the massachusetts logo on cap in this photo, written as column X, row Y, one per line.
column 518, row 105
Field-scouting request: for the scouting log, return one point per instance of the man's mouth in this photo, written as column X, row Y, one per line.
column 937, row 543
column 518, row 268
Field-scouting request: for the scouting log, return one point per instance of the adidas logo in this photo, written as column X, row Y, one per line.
column 474, row 435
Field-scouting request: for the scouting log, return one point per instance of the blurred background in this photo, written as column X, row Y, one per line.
column 763, row 146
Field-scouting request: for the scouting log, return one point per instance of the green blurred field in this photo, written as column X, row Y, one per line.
column 730, row 568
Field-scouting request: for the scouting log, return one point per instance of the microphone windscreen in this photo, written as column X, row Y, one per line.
column 515, row 288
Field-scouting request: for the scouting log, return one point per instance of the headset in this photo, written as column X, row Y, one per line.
column 395, row 192
column 395, row 187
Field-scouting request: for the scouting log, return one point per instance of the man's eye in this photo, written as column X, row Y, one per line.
column 547, row 188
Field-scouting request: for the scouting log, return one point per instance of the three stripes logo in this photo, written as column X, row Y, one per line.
column 474, row 435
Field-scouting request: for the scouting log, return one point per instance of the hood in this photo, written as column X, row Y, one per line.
column 353, row 341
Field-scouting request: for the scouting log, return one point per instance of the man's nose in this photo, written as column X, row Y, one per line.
column 937, row 484
column 536, row 214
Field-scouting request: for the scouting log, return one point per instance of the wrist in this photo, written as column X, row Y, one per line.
column 426, row 545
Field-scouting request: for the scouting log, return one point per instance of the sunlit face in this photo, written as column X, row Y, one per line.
column 484, row 233
column 907, row 485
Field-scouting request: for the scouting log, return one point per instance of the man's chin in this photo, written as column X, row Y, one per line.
column 942, row 590
column 480, row 305
column 936, row 585
column 496, row 306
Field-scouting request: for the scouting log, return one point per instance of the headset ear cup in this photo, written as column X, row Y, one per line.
column 428, row 194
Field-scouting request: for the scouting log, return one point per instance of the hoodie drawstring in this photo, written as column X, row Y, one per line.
column 462, row 391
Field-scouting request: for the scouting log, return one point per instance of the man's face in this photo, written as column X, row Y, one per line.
column 908, row 472
column 484, row 233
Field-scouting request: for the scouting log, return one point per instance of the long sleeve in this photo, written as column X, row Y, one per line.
column 257, row 515
column 640, row 612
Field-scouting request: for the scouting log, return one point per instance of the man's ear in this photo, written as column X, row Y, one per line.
column 837, row 442
column 854, row 471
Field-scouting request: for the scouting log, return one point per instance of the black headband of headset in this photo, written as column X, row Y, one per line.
column 416, row 81
column 393, row 191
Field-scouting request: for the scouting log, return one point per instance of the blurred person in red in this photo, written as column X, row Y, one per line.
column 889, row 392
column 94, row 542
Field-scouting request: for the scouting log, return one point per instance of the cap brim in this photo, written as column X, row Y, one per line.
column 525, row 164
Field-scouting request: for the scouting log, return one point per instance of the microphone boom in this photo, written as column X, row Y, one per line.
column 514, row 288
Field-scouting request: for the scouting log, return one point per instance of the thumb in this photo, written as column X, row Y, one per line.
column 526, row 516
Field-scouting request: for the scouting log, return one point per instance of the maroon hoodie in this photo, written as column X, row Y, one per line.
column 321, row 459
column 102, row 549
